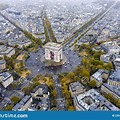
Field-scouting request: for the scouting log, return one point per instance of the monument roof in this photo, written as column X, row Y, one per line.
column 53, row 45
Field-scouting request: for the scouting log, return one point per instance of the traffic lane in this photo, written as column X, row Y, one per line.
column 61, row 104
column 59, row 97
column 57, row 86
column 59, row 92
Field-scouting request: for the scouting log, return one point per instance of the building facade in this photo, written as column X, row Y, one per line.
column 117, row 63
column 8, row 51
column 114, row 78
column 113, row 90
column 93, row 101
column 6, row 79
column 2, row 64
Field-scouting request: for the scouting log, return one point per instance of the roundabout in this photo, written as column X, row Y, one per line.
column 37, row 63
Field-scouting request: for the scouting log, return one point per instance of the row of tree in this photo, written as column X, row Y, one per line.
column 32, row 38
column 51, row 32
column 47, row 39
column 112, row 99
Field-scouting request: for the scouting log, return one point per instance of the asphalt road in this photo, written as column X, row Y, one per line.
column 61, row 105
column 37, row 67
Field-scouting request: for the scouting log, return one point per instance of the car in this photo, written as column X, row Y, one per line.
column 65, row 66
column 59, row 85
column 4, row 91
column 52, row 68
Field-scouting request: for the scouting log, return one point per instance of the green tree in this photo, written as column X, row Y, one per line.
column 15, row 99
column 71, row 108
column 97, row 55
column 71, row 75
column 85, row 62
column 8, row 108
column 84, row 72
column 99, row 67
column 108, row 66
column 118, row 103
column 21, row 64
column 54, row 93
column 26, row 90
column 67, row 94
column 93, row 83
column 109, row 96
column 77, row 78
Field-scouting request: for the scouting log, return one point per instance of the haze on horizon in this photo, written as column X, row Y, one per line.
column 37, row 1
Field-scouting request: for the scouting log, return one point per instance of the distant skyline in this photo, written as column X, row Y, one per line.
column 36, row 2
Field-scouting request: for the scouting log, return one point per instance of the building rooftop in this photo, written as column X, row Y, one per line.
column 113, row 89
column 5, row 76
column 21, row 103
column 5, row 50
column 98, row 75
column 76, row 86
column 111, row 47
column 22, row 40
column 117, row 60
column 92, row 100
column 115, row 76
column 43, row 87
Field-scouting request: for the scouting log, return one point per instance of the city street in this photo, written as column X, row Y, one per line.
column 59, row 98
